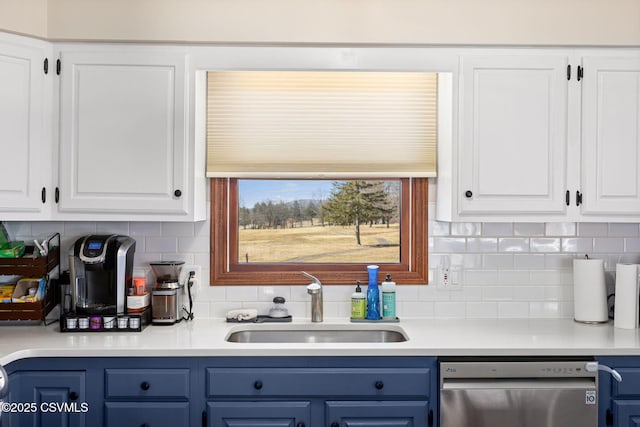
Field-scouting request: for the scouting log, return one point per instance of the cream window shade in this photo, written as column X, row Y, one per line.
column 317, row 124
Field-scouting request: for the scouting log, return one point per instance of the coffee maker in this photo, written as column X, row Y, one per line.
column 101, row 270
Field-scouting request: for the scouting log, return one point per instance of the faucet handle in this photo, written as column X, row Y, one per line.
column 314, row 278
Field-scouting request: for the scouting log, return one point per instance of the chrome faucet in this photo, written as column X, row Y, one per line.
column 315, row 290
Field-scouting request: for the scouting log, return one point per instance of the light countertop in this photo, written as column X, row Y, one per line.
column 427, row 337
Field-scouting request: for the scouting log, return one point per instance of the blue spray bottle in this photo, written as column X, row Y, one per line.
column 373, row 294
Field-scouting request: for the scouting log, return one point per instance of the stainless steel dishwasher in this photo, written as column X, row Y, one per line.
column 519, row 393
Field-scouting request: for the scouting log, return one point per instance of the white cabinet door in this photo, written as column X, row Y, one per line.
column 25, row 167
column 123, row 145
column 513, row 135
column 611, row 136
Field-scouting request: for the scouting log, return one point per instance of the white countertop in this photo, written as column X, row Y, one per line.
column 427, row 337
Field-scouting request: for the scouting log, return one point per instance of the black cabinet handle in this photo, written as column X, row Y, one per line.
column 580, row 73
column 567, row 197
column 43, row 195
column 46, row 65
column 257, row 385
column 73, row 395
column 300, row 424
column 379, row 385
column 468, row 194
column 335, row 424
column 144, row 425
column 57, row 195
column 578, row 198
column 177, row 193
column 145, row 385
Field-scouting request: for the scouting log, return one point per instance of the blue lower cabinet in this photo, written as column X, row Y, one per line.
column 627, row 413
column 254, row 414
column 147, row 414
column 378, row 414
column 47, row 399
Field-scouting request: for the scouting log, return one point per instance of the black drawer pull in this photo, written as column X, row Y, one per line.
column 257, row 385
column 335, row 424
column 144, row 425
column 73, row 395
column 300, row 424
column 145, row 386
column 379, row 385
column 468, row 194
column 177, row 193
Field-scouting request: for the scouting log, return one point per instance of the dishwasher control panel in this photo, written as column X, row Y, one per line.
column 515, row 369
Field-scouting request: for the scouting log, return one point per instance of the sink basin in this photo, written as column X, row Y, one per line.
column 317, row 335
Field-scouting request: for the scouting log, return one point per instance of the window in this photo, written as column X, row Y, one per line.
column 357, row 131
column 230, row 264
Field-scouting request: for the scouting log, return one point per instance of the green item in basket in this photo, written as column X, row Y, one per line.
column 12, row 249
column 4, row 236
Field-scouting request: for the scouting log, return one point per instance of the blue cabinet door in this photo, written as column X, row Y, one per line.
column 378, row 414
column 263, row 414
column 58, row 398
column 626, row 413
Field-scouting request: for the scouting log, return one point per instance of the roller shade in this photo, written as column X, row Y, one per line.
column 317, row 124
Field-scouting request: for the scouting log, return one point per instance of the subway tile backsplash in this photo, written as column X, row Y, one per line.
column 510, row 270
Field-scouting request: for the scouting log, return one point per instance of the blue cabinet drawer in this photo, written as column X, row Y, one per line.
column 630, row 385
column 119, row 414
column 147, row 383
column 317, row 382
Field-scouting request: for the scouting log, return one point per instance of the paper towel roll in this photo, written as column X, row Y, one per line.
column 589, row 291
column 626, row 299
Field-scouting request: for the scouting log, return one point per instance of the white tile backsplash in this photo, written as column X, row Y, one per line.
column 510, row 270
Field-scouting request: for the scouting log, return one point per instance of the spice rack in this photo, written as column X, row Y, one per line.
column 30, row 264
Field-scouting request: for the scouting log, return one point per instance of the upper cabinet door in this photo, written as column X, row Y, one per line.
column 24, row 146
column 513, row 135
column 123, row 144
column 611, row 136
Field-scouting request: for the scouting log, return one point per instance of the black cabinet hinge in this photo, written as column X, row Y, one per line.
column 204, row 418
column 46, row 65
column 578, row 198
column 430, row 418
column 608, row 418
column 568, row 72
column 580, row 73
column 58, row 66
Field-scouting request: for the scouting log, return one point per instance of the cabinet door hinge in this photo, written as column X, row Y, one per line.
column 58, row 66
column 46, row 65
column 580, row 73
column 608, row 418
column 204, row 418
column 430, row 418
column 568, row 72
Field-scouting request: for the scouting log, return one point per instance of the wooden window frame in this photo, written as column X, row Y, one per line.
column 226, row 270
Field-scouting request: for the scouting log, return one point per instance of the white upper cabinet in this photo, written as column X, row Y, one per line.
column 513, row 137
column 611, row 136
column 541, row 141
column 124, row 148
column 25, row 143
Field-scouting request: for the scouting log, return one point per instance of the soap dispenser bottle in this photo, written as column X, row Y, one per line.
column 373, row 294
column 358, row 303
column 388, row 299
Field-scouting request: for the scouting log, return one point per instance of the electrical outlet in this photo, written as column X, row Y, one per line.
column 184, row 277
column 448, row 277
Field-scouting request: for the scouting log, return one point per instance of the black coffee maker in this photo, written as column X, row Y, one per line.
column 101, row 269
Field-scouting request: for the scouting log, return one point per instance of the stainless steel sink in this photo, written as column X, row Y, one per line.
column 318, row 335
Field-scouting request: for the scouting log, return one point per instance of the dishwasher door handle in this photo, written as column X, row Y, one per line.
column 517, row 383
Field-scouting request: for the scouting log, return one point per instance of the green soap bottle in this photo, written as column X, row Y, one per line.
column 358, row 303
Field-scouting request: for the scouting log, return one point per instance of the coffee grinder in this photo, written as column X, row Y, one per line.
column 166, row 298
